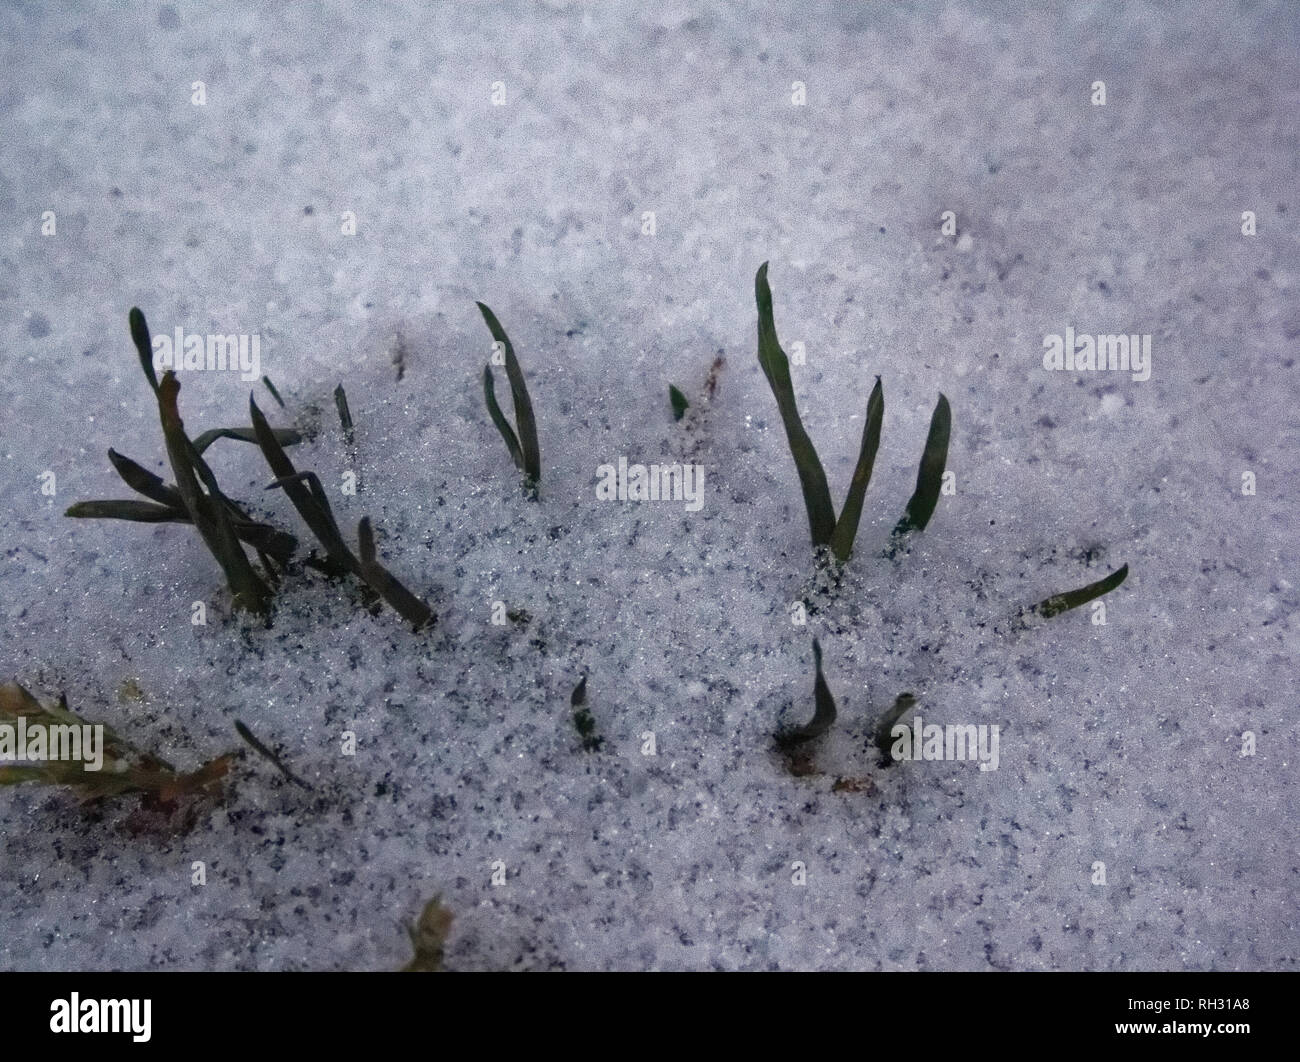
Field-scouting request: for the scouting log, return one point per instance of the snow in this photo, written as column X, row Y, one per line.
column 1119, row 743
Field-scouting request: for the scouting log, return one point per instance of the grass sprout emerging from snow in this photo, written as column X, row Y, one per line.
column 837, row 535
column 828, row 531
column 523, row 447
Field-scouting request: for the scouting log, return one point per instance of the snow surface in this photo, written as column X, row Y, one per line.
column 1119, row 744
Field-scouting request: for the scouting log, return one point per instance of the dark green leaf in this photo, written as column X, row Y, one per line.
column 846, row 528
column 823, row 711
column 145, row 482
column 210, row 512
column 309, row 499
column 1058, row 603
column 142, row 512
column 285, row 436
column 274, row 393
column 883, row 737
column 405, row 603
column 776, row 367
column 524, row 420
column 143, row 345
column 679, row 403
column 929, row 476
column 499, row 419
column 345, row 414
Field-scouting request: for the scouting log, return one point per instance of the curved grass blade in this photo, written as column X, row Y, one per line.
column 776, row 367
column 142, row 481
column 284, row 436
column 883, row 736
column 499, row 419
column 846, row 528
column 1058, row 603
column 929, row 476
column 823, row 712
column 524, row 419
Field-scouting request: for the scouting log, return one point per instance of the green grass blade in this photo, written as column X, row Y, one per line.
column 262, row 537
column 142, row 481
column 846, row 528
column 285, row 436
column 319, row 517
column 776, row 367
column 499, row 419
column 823, row 712
column 405, row 603
column 524, row 419
column 583, row 721
column 143, row 345
column 139, row 511
column 929, row 477
column 345, row 414
column 312, row 506
column 1058, row 603
column 267, row 754
column 274, row 393
column 208, row 511
column 884, row 739
column 679, row 403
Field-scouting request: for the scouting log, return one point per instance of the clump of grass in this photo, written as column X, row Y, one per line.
column 429, row 938
column 583, row 721
column 523, row 447
column 837, row 534
column 223, row 525
column 196, row 497
column 829, row 533
column 125, row 768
